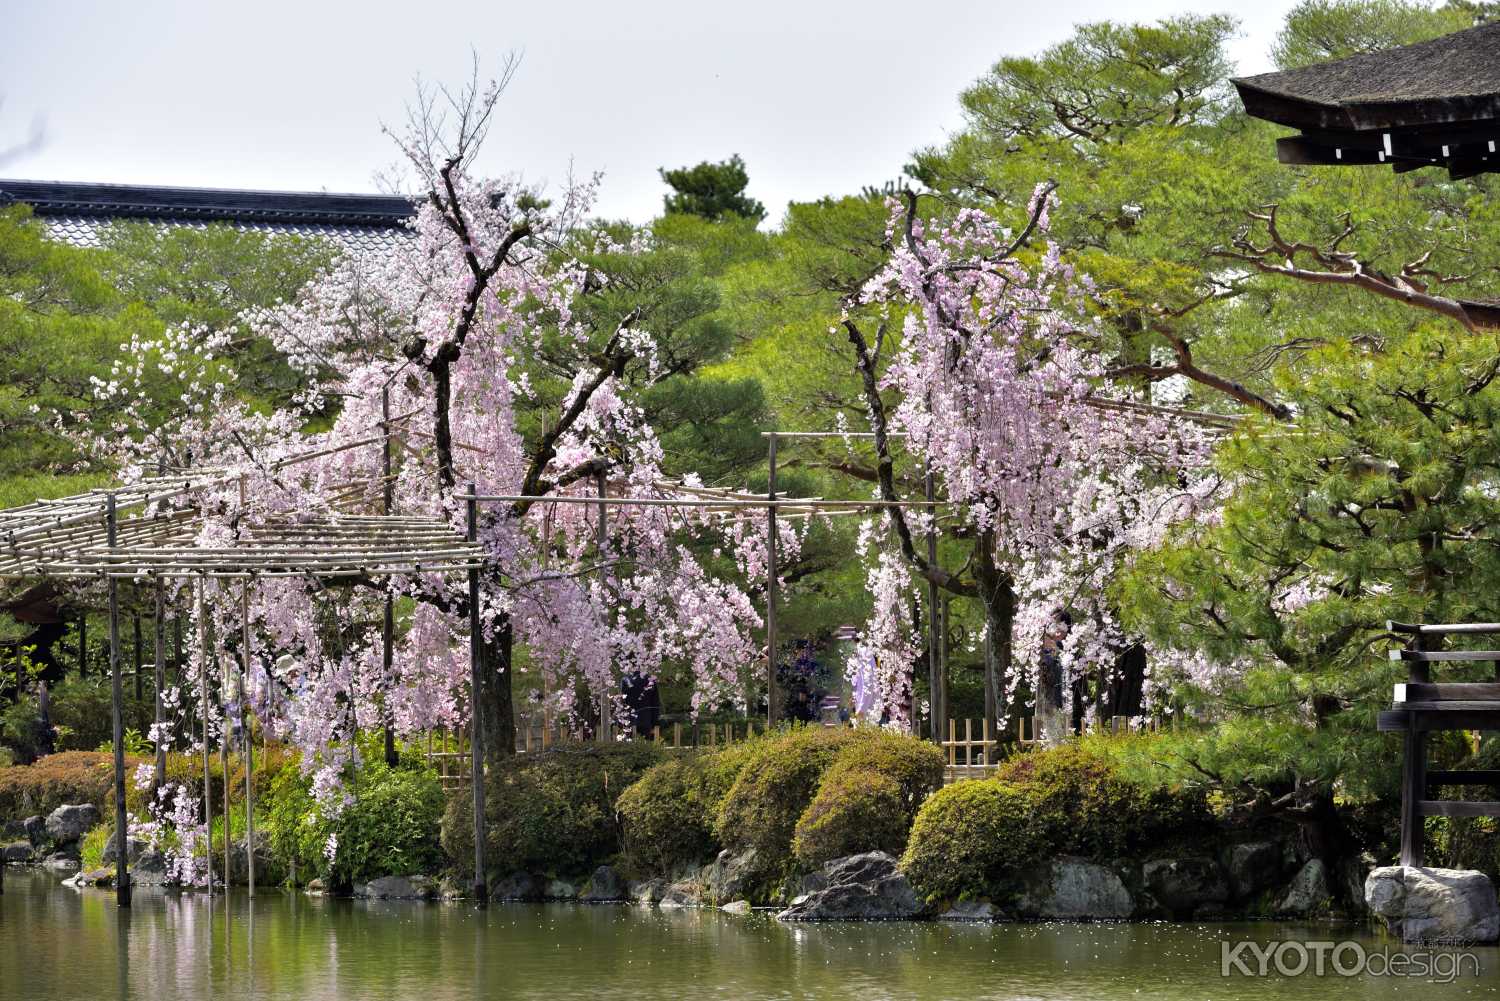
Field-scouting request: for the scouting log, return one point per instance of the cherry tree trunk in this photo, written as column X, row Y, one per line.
column 494, row 702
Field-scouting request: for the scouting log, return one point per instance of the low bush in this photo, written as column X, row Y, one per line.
column 389, row 827
column 49, row 782
column 855, row 810
column 973, row 836
column 552, row 812
column 668, row 814
column 868, row 797
column 774, row 786
column 968, row 837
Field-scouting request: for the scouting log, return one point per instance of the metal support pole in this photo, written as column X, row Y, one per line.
column 476, row 734
column 249, row 744
column 388, row 617
column 936, row 709
column 208, row 801
column 773, row 693
column 122, row 874
column 159, row 717
column 606, row 704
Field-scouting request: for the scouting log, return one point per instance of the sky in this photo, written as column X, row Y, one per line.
column 820, row 97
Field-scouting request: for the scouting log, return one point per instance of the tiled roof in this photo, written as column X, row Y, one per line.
column 75, row 213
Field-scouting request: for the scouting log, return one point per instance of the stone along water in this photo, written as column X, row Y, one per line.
column 57, row 943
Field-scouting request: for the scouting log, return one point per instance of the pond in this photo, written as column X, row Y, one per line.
column 57, row 943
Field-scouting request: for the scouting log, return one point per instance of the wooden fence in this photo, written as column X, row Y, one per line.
column 977, row 758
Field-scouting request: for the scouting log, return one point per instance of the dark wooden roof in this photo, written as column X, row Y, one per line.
column 1435, row 103
column 73, row 212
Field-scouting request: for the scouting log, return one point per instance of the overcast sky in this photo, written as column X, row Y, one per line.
column 819, row 96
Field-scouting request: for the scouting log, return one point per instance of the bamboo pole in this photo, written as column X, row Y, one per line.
column 208, row 801
column 122, row 837
column 159, row 776
column 476, row 738
column 773, row 694
column 249, row 743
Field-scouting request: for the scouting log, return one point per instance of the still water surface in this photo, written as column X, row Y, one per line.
column 58, row 944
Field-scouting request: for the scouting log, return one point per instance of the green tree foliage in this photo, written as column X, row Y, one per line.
column 209, row 277
column 711, row 190
column 1319, row 30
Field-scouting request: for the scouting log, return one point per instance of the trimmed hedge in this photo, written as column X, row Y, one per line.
column 57, row 779
column 551, row 813
column 972, row 837
column 855, row 810
column 798, row 797
column 968, row 837
column 774, row 787
column 868, row 797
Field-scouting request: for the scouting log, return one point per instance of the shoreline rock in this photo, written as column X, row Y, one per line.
column 1438, row 906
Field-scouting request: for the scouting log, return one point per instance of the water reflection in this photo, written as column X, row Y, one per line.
column 58, row 944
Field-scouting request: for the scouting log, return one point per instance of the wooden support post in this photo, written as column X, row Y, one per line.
column 136, row 674
column 122, row 834
column 208, row 801
column 1413, row 791
column 773, row 693
column 388, row 617
column 249, row 743
column 606, row 702
column 159, row 775
column 476, row 736
column 676, row 734
column 83, row 644
column 935, row 697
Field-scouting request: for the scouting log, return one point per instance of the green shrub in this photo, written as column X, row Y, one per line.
column 668, row 814
column 91, row 848
column 968, row 837
column 1087, row 806
column 50, row 782
column 390, row 827
column 855, row 810
column 916, row 766
column 776, row 783
column 81, row 716
column 551, row 812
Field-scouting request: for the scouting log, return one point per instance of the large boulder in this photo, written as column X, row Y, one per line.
column 866, row 887
column 560, row 889
column 1184, row 886
column 732, row 877
column 519, row 886
column 683, row 893
column 971, row 910
column 149, row 870
column 397, row 888
column 1252, row 867
column 69, row 823
column 1072, row 889
column 1308, row 893
column 648, row 891
column 16, row 851
column 605, row 886
column 133, row 849
column 36, row 830
column 61, row 864
column 1437, row 906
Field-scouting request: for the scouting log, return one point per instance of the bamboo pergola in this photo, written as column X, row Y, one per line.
column 149, row 532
